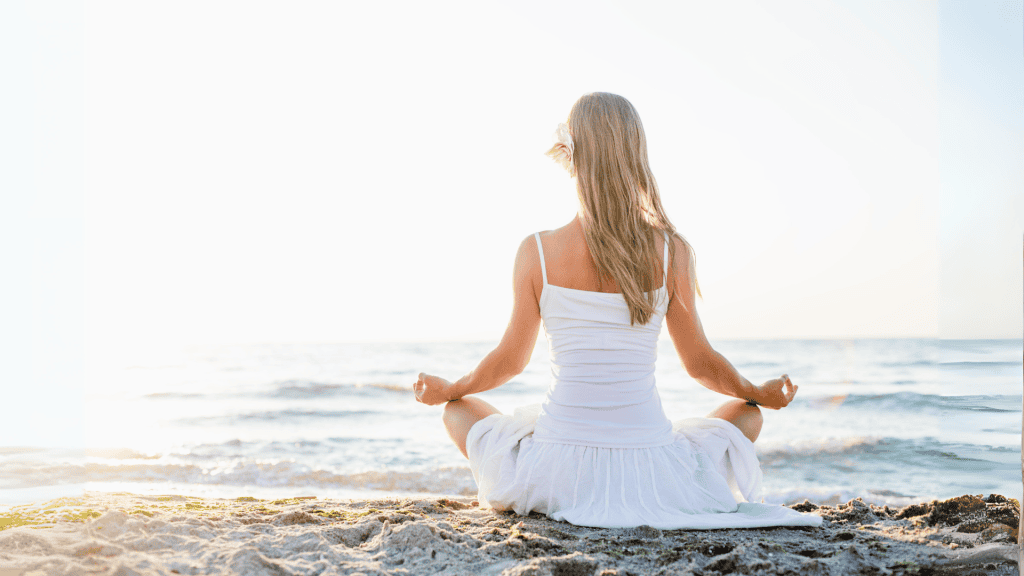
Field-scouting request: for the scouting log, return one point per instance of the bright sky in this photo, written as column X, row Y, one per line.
column 335, row 171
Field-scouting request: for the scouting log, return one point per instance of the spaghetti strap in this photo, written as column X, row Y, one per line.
column 665, row 260
column 540, row 250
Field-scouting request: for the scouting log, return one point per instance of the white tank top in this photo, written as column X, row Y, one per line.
column 602, row 391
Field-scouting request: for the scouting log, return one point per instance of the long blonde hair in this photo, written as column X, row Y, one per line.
column 620, row 208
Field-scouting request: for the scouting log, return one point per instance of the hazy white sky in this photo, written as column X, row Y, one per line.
column 195, row 172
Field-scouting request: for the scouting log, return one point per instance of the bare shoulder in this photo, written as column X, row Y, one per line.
column 560, row 234
column 527, row 255
column 682, row 255
column 681, row 269
column 683, row 250
column 559, row 241
column 527, row 246
column 527, row 266
column 564, row 240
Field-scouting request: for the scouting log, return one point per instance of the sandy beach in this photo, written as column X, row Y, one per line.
column 125, row 534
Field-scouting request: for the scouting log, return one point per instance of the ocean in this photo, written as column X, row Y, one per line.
column 892, row 421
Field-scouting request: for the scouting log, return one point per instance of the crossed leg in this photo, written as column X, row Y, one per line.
column 461, row 414
column 746, row 417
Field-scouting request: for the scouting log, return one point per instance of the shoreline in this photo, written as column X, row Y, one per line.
column 146, row 534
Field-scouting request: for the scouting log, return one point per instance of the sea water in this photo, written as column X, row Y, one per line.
column 892, row 421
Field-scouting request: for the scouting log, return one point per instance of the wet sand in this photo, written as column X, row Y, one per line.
column 127, row 534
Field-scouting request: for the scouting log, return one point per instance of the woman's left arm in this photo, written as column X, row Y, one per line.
column 513, row 352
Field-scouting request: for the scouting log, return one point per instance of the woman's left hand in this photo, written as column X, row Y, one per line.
column 432, row 390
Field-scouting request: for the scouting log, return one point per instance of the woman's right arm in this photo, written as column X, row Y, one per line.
column 701, row 361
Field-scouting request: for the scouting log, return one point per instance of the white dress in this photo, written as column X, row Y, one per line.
column 600, row 451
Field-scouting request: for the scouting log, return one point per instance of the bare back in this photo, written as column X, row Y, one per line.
column 570, row 265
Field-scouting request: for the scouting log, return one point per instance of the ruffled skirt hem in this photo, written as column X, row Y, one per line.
column 708, row 478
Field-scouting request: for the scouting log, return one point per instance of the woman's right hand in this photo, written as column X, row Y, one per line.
column 432, row 390
column 776, row 393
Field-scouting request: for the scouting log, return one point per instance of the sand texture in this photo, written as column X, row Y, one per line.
column 126, row 534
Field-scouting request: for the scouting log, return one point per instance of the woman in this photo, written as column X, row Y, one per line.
column 600, row 451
